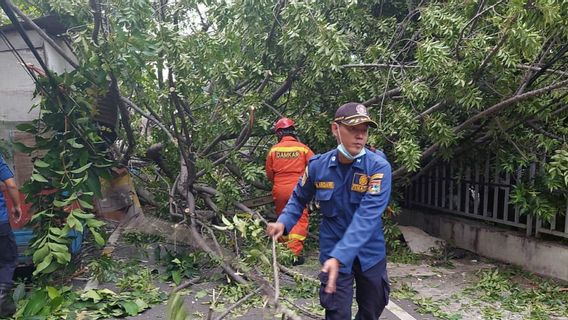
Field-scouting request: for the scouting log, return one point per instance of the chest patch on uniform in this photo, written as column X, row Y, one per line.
column 287, row 154
column 360, row 182
column 324, row 184
column 375, row 184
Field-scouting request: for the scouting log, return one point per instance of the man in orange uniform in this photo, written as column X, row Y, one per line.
column 285, row 164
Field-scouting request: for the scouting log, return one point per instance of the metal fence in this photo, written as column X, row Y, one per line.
column 481, row 191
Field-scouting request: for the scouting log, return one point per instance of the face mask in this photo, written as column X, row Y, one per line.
column 341, row 148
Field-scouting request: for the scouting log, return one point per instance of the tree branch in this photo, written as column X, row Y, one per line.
column 538, row 128
column 487, row 112
column 377, row 65
column 430, row 110
column 148, row 116
column 490, row 56
column 535, row 68
column 472, row 20
column 388, row 94
column 238, row 303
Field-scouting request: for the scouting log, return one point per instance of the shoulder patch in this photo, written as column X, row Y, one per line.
column 374, row 187
column 375, row 183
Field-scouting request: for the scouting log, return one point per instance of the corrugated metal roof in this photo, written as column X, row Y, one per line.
column 51, row 24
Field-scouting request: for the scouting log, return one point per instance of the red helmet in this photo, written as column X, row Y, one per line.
column 283, row 123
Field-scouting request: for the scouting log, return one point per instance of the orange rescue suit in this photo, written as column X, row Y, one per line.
column 285, row 164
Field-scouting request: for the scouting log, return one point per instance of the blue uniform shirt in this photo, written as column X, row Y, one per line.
column 352, row 201
column 5, row 174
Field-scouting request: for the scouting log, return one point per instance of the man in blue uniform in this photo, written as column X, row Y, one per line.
column 8, row 249
column 352, row 185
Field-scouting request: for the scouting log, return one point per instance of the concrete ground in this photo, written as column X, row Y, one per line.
column 428, row 288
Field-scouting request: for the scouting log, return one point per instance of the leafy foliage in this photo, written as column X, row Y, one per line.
column 66, row 177
column 182, row 266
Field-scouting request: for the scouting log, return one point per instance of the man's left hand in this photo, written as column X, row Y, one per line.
column 331, row 267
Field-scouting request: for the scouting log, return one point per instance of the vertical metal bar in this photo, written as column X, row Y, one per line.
column 506, row 198
column 417, row 193
column 430, row 187
column 495, row 191
column 566, row 219
column 486, row 187
column 451, row 200
column 553, row 223
column 538, row 226
column 460, row 184
column 423, row 195
column 436, row 191
column 476, row 193
column 444, row 193
column 532, row 172
column 517, row 209
column 467, row 177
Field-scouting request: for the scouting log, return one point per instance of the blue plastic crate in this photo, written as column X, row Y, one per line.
column 25, row 235
column 23, row 238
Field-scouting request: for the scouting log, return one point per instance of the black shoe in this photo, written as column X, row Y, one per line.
column 7, row 305
column 298, row 261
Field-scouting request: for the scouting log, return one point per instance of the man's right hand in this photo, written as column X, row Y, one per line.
column 275, row 230
column 17, row 212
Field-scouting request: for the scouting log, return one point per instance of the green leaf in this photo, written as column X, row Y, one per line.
column 92, row 295
column 57, row 247
column 38, row 177
column 93, row 223
column 81, row 169
column 41, row 164
column 44, row 264
column 73, row 142
column 18, row 146
column 19, row 292
column 227, row 222
column 62, row 257
column 26, row 127
column 85, row 204
column 35, row 304
column 79, row 214
column 52, row 292
column 40, row 254
column 201, row 294
column 142, row 305
column 131, row 308
column 60, row 204
column 176, row 277
column 56, row 303
column 94, row 184
column 98, row 238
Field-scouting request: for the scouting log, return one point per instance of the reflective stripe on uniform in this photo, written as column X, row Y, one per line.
column 289, row 149
column 296, row 236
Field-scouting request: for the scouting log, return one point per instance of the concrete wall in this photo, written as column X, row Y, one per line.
column 16, row 86
column 541, row 257
column 16, row 94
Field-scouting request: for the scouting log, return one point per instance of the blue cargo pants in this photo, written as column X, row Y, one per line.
column 8, row 253
column 372, row 293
